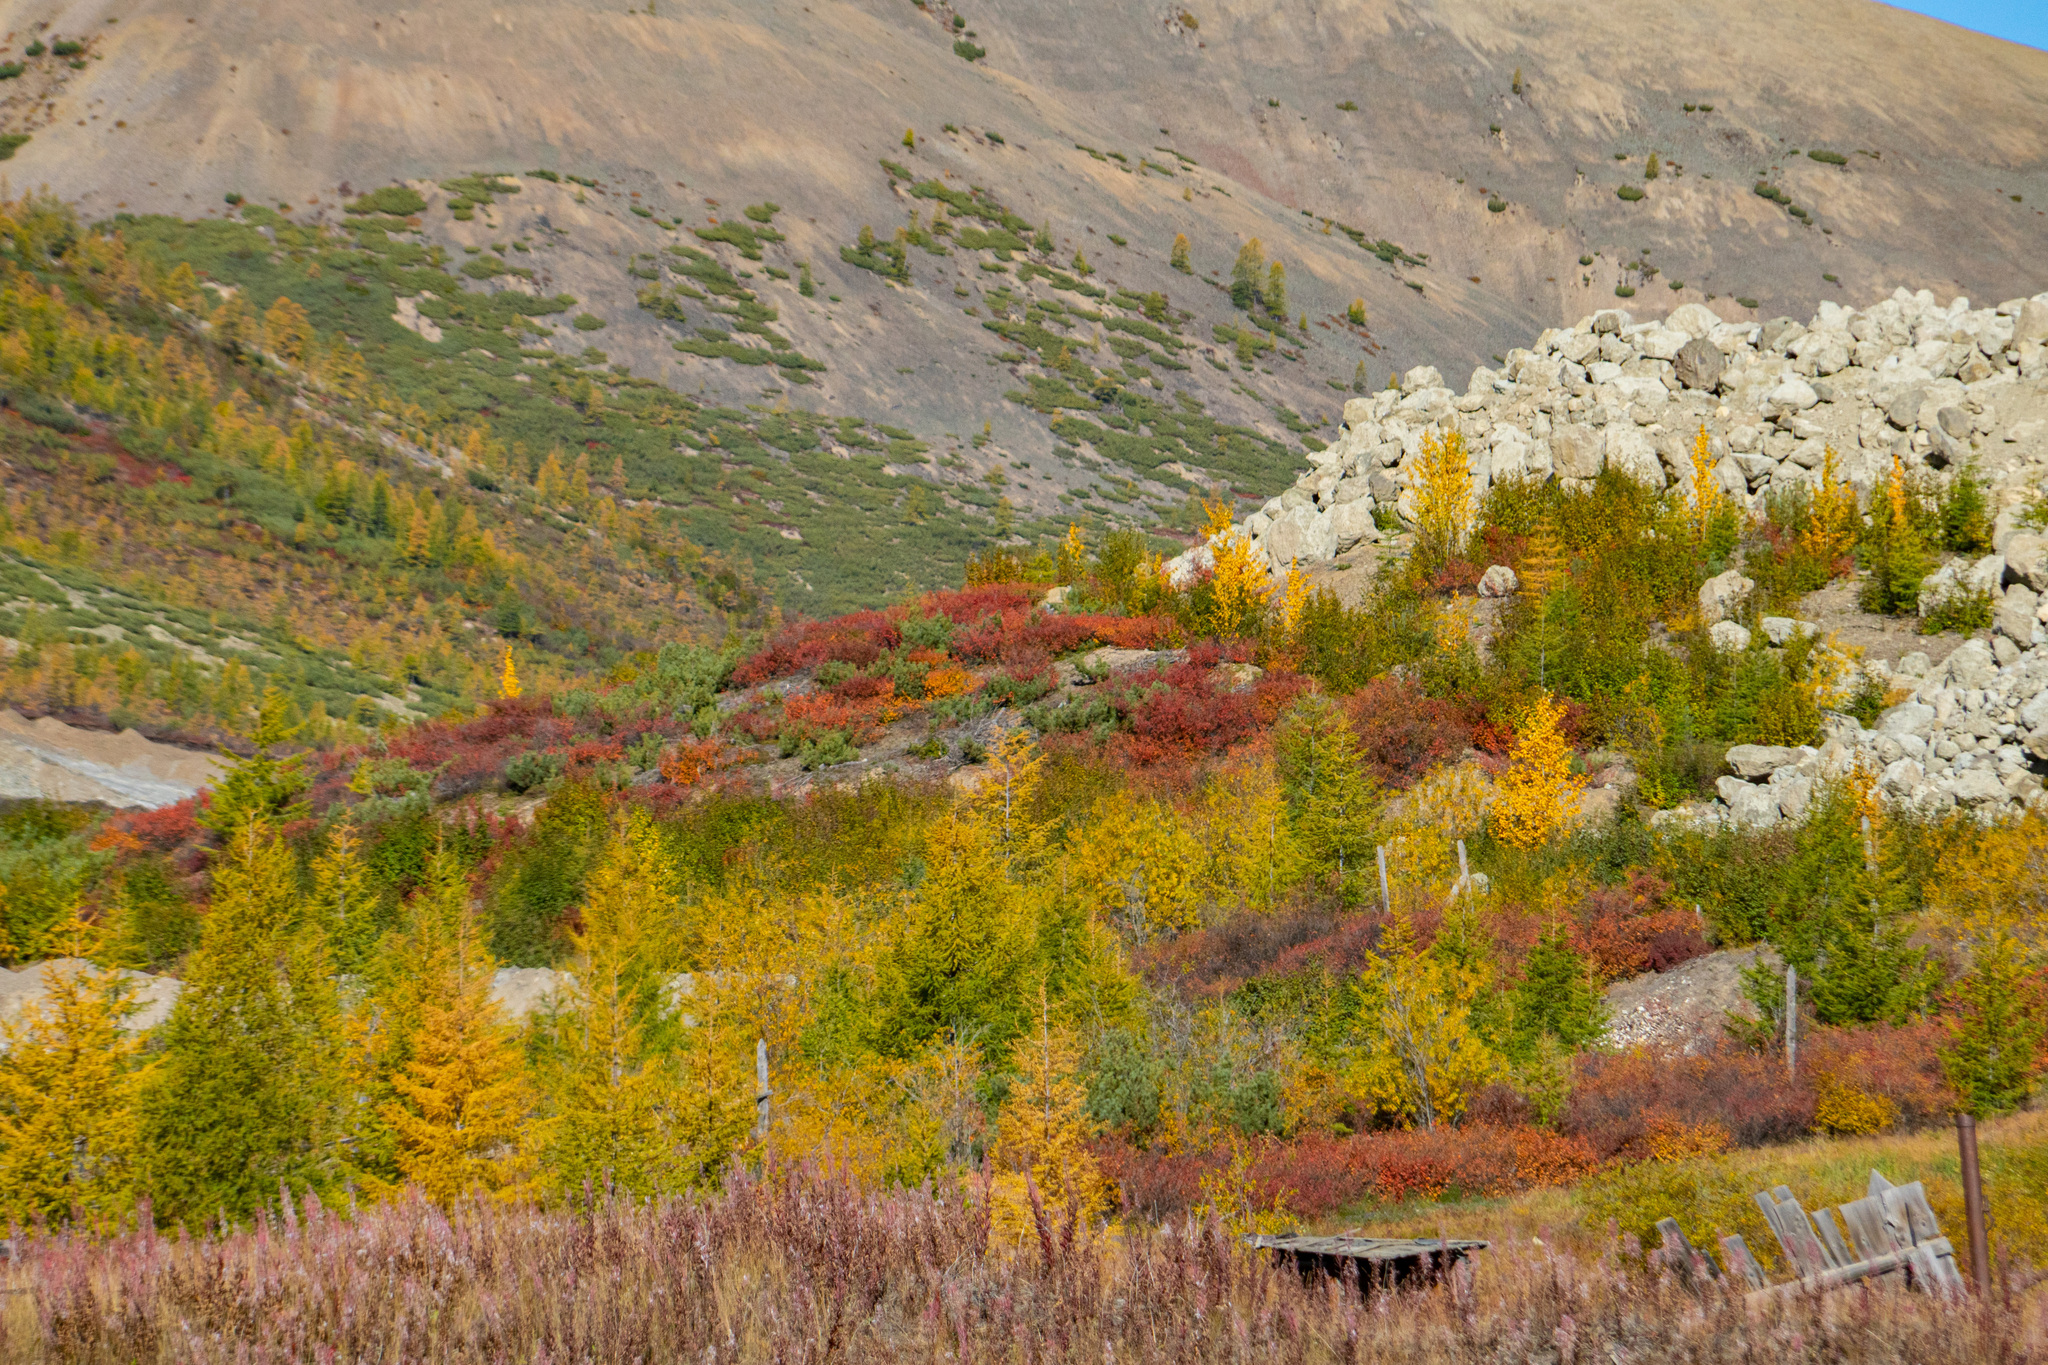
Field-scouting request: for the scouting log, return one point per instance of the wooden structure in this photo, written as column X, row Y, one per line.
column 1890, row 1235
column 1373, row 1261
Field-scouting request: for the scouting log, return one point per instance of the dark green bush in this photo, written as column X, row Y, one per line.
column 588, row 322
column 1962, row 612
column 549, row 176
column 1629, row 192
column 67, row 47
column 11, row 143
column 1829, row 158
column 1624, row 291
column 968, row 51
column 9, row 70
column 527, row 771
column 1496, row 205
column 35, row 48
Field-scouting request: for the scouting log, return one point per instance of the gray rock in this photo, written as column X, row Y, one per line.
column 2037, row 743
column 1779, row 333
column 2032, row 322
column 2026, row 559
column 1975, row 786
column 1759, row 760
column 1971, row 665
column 1954, row 421
column 1914, row 664
column 1749, row 805
column 1779, row 629
column 1729, row 637
column 1422, row 377
column 1907, row 718
column 1498, row 581
column 1698, row 365
column 1609, row 321
column 1351, row 522
column 1795, row 794
column 1723, row 595
column 1794, row 395
column 2015, row 615
column 1577, row 452
column 1903, row 411
column 1301, row 535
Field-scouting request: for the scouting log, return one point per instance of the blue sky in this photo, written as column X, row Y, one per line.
column 2019, row 21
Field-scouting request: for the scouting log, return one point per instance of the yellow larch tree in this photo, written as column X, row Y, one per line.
column 69, row 1080
column 1536, row 792
column 1443, row 499
column 1249, row 851
column 508, row 678
column 1707, row 498
column 461, row 1106
column 1239, row 583
column 1136, row 864
column 610, row 1083
column 1417, row 1056
column 1042, row 1132
column 1832, row 515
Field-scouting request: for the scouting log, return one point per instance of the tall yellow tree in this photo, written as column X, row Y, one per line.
column 1417, row 1056
column 69, row 1081
column 1443, row 499
column 508, row 678
column 1537, row 791
column 461, row 1105
column 1239, row 584
column 610, row 1082
column 1043, row 1129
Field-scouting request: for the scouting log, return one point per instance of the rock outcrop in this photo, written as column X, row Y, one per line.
column 1928, row 383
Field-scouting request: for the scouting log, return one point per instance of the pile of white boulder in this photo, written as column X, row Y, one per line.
column 1932, row 384
column 1935, row 386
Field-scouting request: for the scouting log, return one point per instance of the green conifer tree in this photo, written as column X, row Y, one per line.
column 1328, row 794
column 1555, row 997
column 1245, row 275
column 248, row 1094
column 1276, row 291
column 261, row 788
column 1992, row 1057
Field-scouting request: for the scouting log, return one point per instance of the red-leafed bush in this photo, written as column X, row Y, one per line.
column 1155, row 1185
column 1635, row 927
column 1021, row 633
column 1901, row 1066
column 1402, row 731
column 1216, row 961
column 162, row 829
column 1621, row 1103
column 971, row 604
column 858, row 638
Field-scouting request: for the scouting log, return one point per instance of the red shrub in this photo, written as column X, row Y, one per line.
column 1632, row 928
column 968, row 605
column 1457, row 576
column 1155, row 1185
column 1620, row 1101
column 858, row 638
column 163, row 829
column 1901, row 1064
column 1402, row 731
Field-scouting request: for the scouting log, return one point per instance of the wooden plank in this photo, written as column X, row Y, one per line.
column 1890, row 1262
column 1919, row 1213
column 1813, row 1256
column 1865, row 1220
column 1878, row 1184
column 1831, row 1241
column 1735, row 1252
column 1897, row 1225
column 1679, row 1253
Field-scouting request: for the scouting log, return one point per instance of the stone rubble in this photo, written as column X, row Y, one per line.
column 1932, row 385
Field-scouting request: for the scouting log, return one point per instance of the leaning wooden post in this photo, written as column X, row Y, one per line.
column 1386, row 900
column 1791, row 1018
column 1973, row 1203
column 761, row 1089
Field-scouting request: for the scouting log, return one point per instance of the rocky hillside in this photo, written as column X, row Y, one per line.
column 1935, row 391
column 1461, row 172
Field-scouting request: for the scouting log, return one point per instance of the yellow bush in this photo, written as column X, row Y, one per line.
column 1848, row 1110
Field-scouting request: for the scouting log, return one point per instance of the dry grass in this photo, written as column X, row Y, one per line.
column 799, row 1267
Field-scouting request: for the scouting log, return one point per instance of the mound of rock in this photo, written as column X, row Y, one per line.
column 1929, row 383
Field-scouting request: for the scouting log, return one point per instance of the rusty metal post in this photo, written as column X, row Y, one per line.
column 1973, row 1203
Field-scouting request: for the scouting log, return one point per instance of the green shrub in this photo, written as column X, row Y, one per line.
column 1496, row 205
column 533, row 769
column 1831, row 279
column 36, row 48
column 1629, row 192
column 67, row 47
column 1747, row 303
column 1821, row 154
column 589, row 322
column 1961, row 612
column 642, row 211
column 9, row 70
column 11, row 143
column 549, row 176
column 967, row 51
column 399, row 201
column 762, row 213
column 1585, row 260
column 1351, row 107
column 1624, row 291
column 824, row 750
